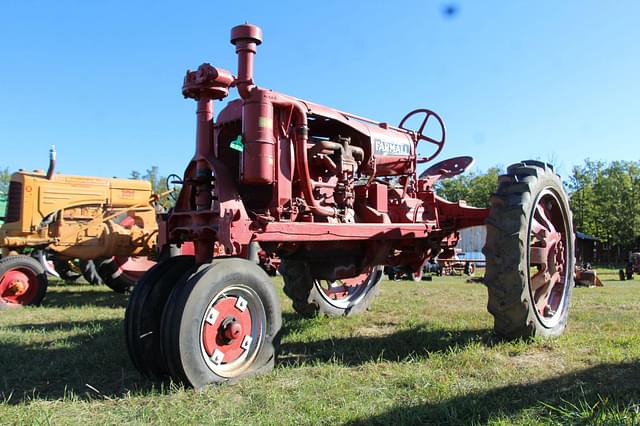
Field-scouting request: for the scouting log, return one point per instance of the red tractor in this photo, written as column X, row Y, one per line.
column 336, row 197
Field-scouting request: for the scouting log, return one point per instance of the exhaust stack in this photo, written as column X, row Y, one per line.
column 246, row 39
column 52, row 162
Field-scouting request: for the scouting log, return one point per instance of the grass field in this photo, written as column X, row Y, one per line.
column 424, row 354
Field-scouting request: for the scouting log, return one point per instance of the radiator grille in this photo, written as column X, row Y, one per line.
column 14, row 202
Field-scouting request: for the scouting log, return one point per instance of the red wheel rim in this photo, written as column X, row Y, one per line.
column 347, row 292
column 232, row 330
column 132, row 268
column 19, row 286
column 549, row 258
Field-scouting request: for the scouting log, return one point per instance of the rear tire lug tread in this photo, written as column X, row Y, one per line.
column 506, row 277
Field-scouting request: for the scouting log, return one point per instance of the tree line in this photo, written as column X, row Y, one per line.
column 604, row 198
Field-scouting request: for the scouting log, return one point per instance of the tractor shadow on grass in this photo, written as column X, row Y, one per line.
column 89, row 360
column 86, row 359
column 84, row 296
column 420, row 340
column 603, row 394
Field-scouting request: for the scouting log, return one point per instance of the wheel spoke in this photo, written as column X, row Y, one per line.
column 538, row 228
column 424, row 124
column 544, row 217
column 542, row 295
column 539, row 280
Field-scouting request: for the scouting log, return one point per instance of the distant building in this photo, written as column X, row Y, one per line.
column 585, row 248
column 472, row 241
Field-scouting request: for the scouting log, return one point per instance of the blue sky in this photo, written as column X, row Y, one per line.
column 513, row 80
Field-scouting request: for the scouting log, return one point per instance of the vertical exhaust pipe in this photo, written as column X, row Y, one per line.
column 257, row 111
column 52, row 162
column 246, row 39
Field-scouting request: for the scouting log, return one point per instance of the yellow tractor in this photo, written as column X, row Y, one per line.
column 109, row 225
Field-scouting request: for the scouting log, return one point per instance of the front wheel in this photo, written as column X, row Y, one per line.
column 530, row 253
column 23, row 281
column 416, row 276
column 221, row 324
column 144, row 313
column 469, row 269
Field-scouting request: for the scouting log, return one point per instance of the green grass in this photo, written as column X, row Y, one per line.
column 424, row 354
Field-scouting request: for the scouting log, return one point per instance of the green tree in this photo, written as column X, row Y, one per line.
column 158, row 184
column 474, row 188
column 5, row 176
column 583, row 200
column 605, row 200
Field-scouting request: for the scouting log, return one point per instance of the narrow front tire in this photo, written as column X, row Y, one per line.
column 223, row 323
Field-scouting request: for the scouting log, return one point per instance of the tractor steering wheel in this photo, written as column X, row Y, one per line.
column 420, row 133
column 174, row 182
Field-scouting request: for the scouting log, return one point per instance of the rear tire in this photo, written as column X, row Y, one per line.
column 529, row 231
column 90, row 272
column 117, row 277
column 312, row 297
column 221, row 324
column 23, row 281
column 112, row 277
column 68, row 270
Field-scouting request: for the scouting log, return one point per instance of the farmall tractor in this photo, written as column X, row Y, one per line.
column 336, row 197
column 53, row 220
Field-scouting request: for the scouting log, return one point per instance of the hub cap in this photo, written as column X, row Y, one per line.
column 232, row 330
column 548, row 274
column 18, row 286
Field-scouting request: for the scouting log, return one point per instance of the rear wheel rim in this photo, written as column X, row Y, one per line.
column 232, row 330
column 132, row 268
column 549, row 258
column 348, row 292
column 19, row 286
